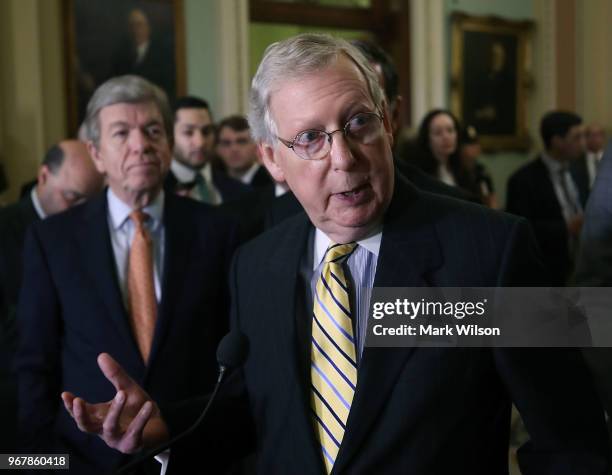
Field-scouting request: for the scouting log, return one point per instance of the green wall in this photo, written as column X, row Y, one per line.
column 201, row 33
column 263, row 34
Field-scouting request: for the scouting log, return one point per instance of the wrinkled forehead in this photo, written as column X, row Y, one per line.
column 343, row 69
column 128, row 111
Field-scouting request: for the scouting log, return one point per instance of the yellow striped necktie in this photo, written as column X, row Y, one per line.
column 333, row 369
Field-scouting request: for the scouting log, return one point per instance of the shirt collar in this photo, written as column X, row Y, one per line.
column 120, row 212
column 183, row 173
column 322, row 242
column 36, row 202
column 250, row 173
column 554, row 166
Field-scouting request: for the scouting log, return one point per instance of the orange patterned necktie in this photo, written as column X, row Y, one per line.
column 141, row 286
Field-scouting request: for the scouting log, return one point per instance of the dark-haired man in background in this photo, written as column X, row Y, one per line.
column 544, row 192
column 191, row 172
column 238, row 152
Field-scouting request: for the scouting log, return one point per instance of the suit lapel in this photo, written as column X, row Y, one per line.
column 179, row 235
column 409, row 253
column 292, row 324
column 100, row 267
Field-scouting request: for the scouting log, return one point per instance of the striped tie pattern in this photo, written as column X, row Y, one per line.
column 141, row 286
column 333, row 369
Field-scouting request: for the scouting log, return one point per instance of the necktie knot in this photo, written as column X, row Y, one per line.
column 337, row 253
column 139, row 217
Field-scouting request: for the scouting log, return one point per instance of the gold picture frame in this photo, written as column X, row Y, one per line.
column 491, row 78
column 98, row 39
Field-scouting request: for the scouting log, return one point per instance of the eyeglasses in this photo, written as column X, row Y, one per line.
column 363, row 128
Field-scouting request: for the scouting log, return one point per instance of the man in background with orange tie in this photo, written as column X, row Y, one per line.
column 136, row 272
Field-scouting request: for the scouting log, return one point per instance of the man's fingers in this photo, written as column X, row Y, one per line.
column 68, row 399
column 114, row 372
column 133, row 438
column 82, row 417
column 111, row 427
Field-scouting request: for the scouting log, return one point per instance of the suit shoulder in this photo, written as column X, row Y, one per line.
column 527, row 171
column 456, row 211
column 288, row 233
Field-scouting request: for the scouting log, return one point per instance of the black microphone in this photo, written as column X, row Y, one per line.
column 231, row 354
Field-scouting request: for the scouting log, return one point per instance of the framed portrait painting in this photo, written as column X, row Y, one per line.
column 491, row 78
column 116, row 37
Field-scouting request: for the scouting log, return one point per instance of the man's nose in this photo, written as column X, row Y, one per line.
column 341, row 155
column 199, row 139
column 138, row 140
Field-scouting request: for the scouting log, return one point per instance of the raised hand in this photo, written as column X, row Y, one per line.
column 129, row 422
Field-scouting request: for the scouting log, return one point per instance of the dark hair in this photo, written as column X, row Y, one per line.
column 375, row 54
column 557, row 123
column 237, row 123
column 189, row 102
column 54, row 158
column 425, row 158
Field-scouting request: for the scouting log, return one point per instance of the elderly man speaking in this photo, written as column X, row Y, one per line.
column 315, row 398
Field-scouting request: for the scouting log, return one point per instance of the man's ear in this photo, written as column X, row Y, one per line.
column 387, row 123
column 43, row 175
column 95, row 156
column 270, row 161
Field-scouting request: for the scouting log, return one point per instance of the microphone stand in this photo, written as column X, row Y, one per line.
column 156, row 451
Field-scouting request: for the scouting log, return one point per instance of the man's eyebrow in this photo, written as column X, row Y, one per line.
column 118, row 123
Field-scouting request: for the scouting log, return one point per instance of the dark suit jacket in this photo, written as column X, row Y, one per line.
column 261, row 178
column 416, row 410
column 14, row 221
column 531, row 194
column 580, row 173
column 594, row 265
column 229, row 188
column 71, row 309
column 594, row 268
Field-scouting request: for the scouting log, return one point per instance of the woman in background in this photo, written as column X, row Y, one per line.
column 437, row 144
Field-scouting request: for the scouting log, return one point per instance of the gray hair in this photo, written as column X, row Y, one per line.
column 294, row 58
column 125, row 89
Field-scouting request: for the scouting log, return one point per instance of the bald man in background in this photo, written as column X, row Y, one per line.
column 66, row 178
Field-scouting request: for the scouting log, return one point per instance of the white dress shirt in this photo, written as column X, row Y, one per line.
column 36, row 203
column 247, row 177
column 556, row 171
column 592, row 162
column 122, row 229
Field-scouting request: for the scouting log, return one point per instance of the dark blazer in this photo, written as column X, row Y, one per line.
column 416, row 410
column 71, row 309
column 261, row 178
column 531, row 194
column 594, row 264
column 14, row 221
column 229, row 188
column 594, row 268
column 580, row 173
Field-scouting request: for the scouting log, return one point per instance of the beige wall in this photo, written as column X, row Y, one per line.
column 594, row 61
column 32, row 111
